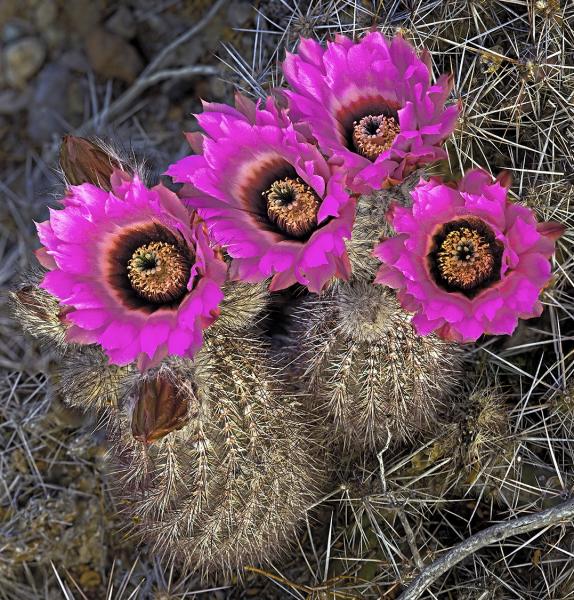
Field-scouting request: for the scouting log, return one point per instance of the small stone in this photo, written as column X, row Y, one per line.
column 239, row 13
column 23, row 60
column 45, row 14
column 122, row 23
column 49, row 105
column 55, row 37
column 13, row 30
column 82, row 16
column 112, row 57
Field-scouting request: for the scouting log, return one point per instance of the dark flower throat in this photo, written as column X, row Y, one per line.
column 149, row 267
column 466, row 256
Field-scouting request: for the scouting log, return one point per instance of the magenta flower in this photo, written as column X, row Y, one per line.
column 370, row 105
column 137, row 273
column 268, row 197
column 466, row 260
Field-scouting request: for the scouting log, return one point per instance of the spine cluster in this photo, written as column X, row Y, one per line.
column 229, row 486
column 374, row 378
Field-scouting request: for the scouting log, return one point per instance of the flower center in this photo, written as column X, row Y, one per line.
column 374, row 134
column 466, row 257
column 159, row 272
column 292, row 205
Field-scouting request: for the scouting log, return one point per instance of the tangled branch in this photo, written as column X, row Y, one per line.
column 491, row 535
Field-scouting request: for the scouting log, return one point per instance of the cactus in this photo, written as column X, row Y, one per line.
column 485, row 452
column 212, row 461
column 368, row 370
column 496, row 456
column 214, row 464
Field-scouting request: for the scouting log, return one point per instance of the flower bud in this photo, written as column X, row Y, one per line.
column 84, row 161
column 160, row 408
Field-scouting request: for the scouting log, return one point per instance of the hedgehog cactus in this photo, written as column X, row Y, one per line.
column 207, row 453
column 484, row 449
column 375, row 378
column 210, row 458
column 158, row 303
column 480, row 452
column 213, row 464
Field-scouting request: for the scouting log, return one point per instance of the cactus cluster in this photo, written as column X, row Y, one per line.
column 213, row 463
column 365, row 386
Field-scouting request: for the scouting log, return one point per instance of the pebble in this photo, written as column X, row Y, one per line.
column 55, row 38
column 122, row 23
column 45, row 14
column 82, row 16
column 112, row 57
column 23, row 58
column 49, row 104
column 13, row 30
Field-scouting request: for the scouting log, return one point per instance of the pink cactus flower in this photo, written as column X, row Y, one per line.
column 370, row 104
column 466, row 260
column 267, row 196
column 135, row 269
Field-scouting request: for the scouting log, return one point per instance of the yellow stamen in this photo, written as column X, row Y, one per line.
column 159, row 272
column 372, row 135
column 292, row 205
column 464, row 258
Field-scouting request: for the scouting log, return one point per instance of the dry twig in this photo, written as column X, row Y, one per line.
column 491, row 535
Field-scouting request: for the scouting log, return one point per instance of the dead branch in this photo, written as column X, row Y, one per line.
column 491, row 535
